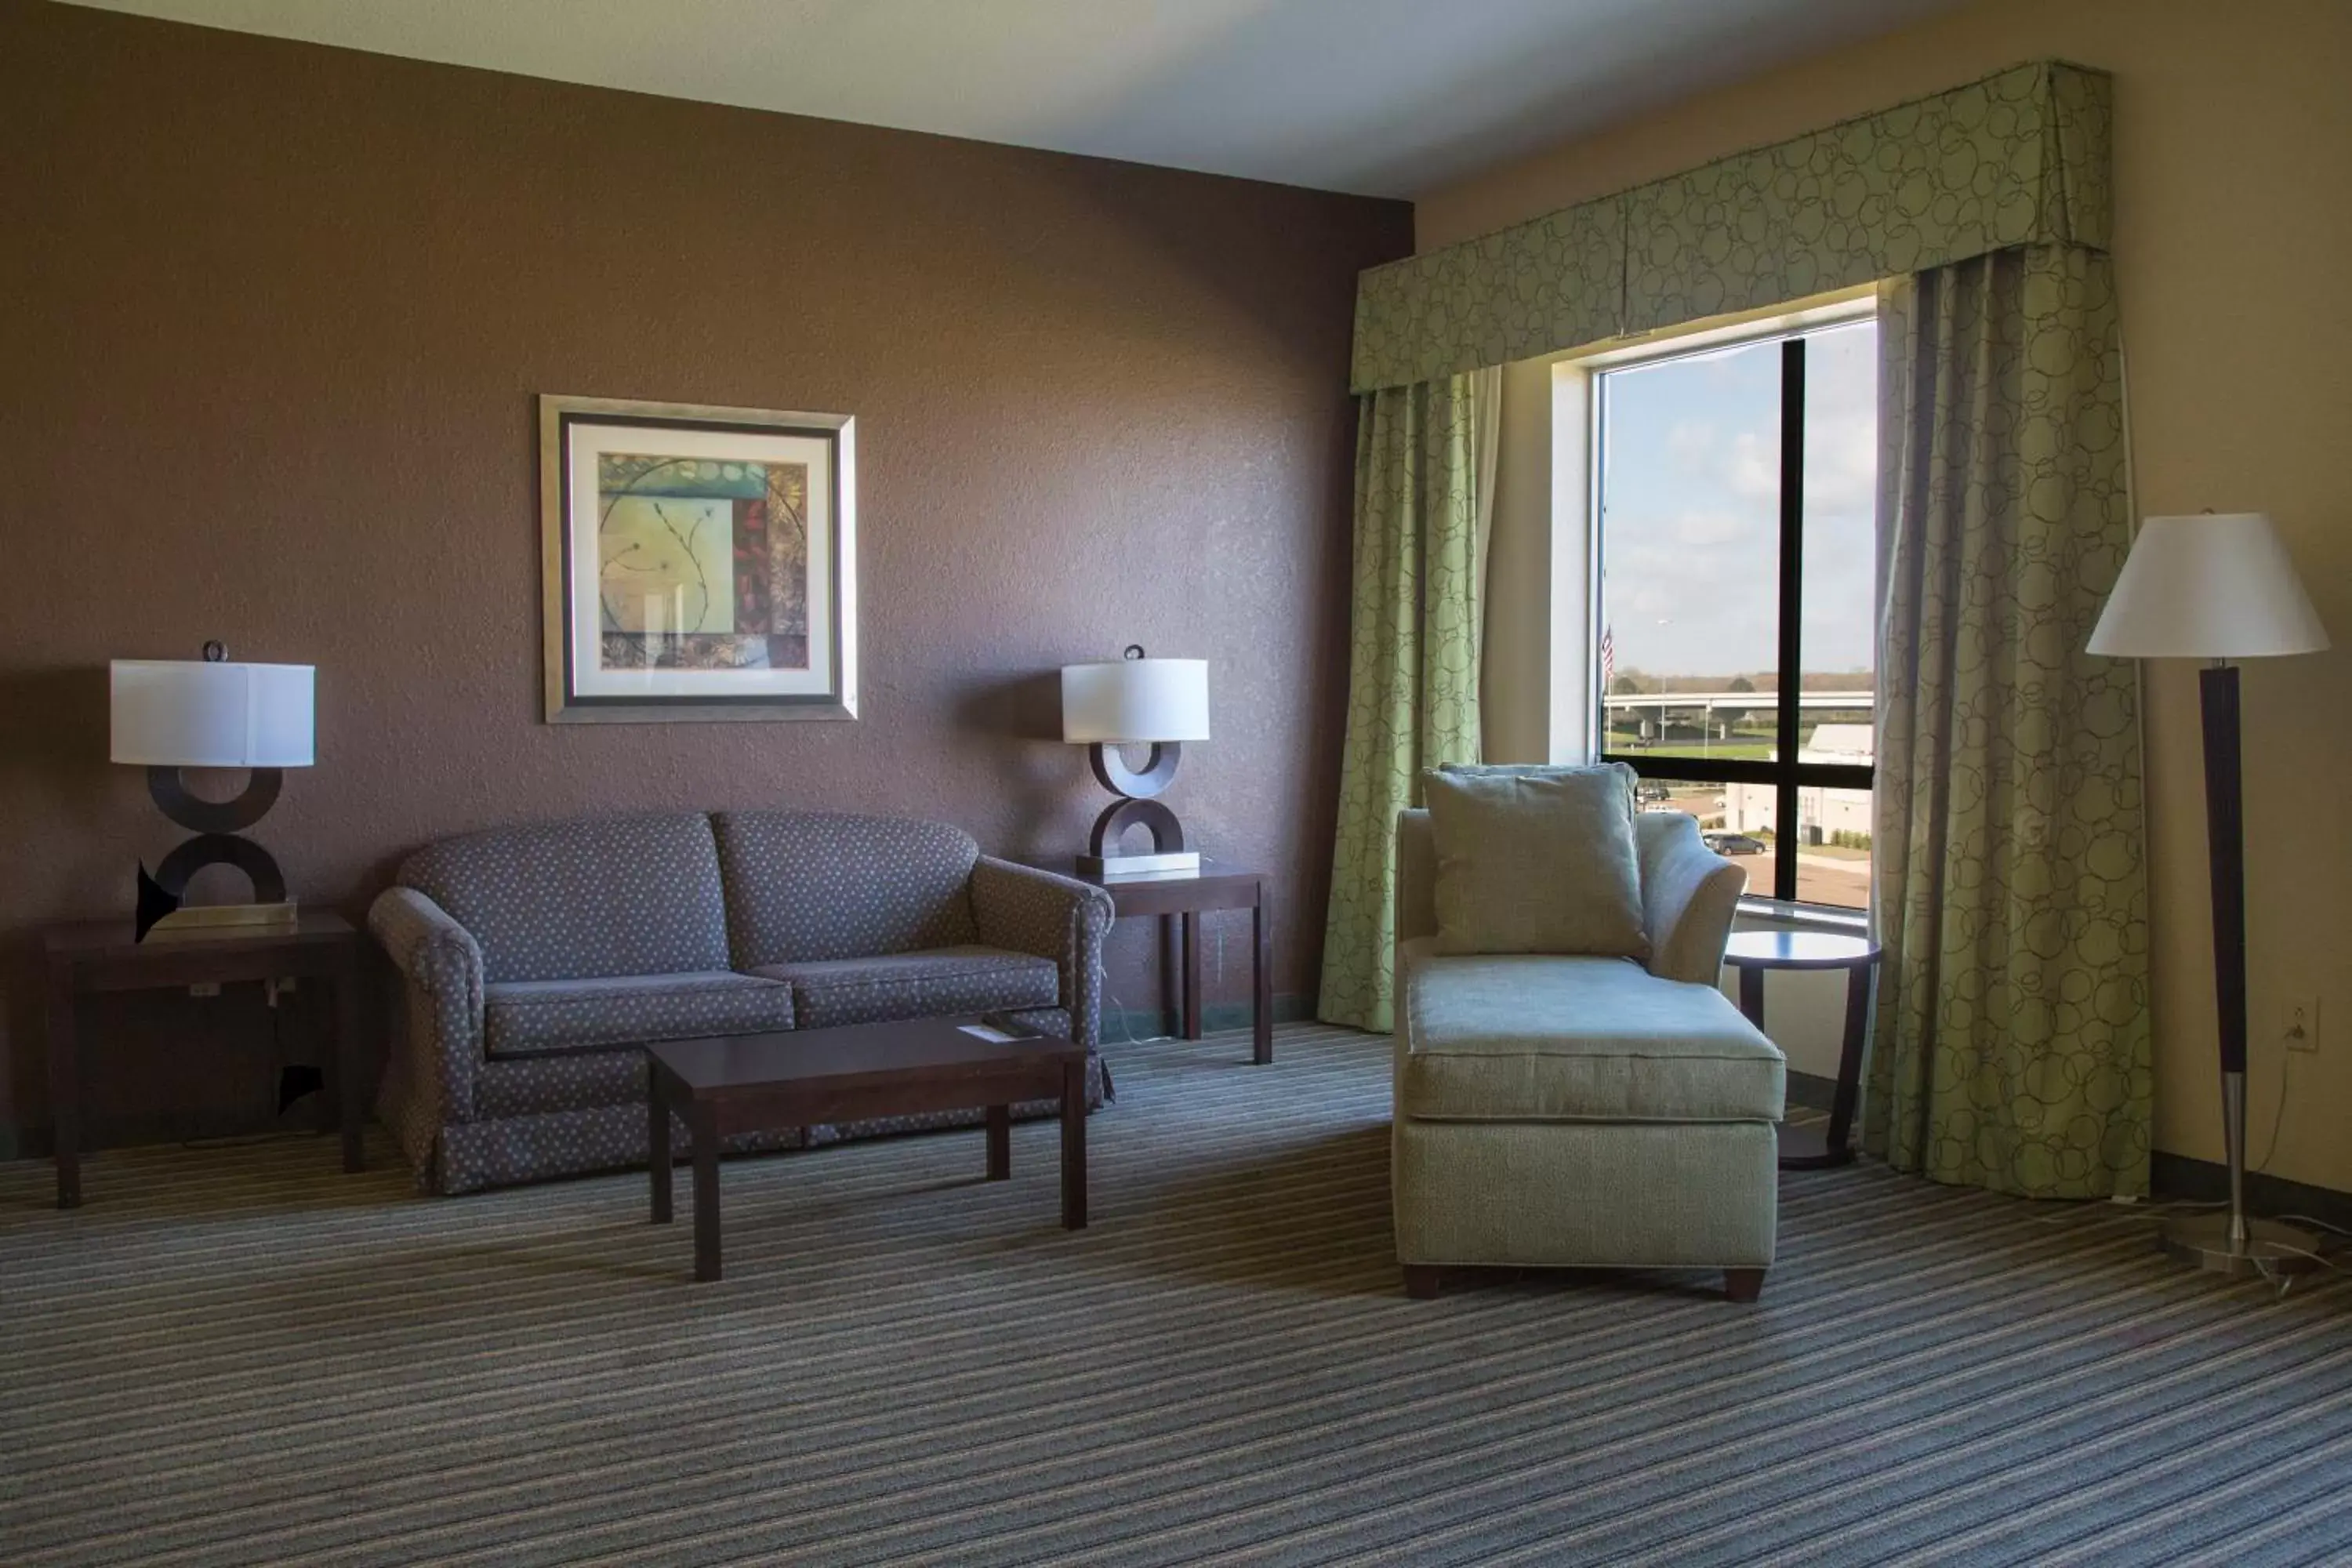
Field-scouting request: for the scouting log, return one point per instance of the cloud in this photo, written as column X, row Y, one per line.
column 1710, row 526
column 1694, row 486
column 1755, row 468
column 1690, row 441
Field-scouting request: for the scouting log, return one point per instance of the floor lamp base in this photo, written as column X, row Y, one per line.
column 2269, row 1248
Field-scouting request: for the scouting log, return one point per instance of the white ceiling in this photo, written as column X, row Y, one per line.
column 1381, row 97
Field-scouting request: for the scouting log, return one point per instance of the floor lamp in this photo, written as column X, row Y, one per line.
column 2219, row 588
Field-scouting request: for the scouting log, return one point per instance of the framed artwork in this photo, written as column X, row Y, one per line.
column 699, row 564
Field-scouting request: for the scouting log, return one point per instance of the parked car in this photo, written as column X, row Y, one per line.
column 1733, row 843
column 1651, row 790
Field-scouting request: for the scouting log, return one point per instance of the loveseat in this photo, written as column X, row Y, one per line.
column 534, row 963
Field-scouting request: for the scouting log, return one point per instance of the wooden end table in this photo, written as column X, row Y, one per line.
column 1215, row 886
column 102, row 955
column 1752, row 952
column 791, row 1078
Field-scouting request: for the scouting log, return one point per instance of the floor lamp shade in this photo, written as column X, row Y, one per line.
column 2219, row 587
column 1161, row 702
column 179, row 713
column 2209, row 586
column 169, row 714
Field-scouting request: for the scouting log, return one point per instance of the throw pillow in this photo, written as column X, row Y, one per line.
column 1541, row 861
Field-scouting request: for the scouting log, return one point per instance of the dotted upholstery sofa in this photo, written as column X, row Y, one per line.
column 535, row 962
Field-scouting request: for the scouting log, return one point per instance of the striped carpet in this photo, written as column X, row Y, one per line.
column 237, row 1356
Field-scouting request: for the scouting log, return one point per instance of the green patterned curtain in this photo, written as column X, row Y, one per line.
column 2017, row 158
column 2012, row 1048
column 1413, row 668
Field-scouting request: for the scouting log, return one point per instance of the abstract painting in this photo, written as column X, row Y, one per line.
column 699, row 561
column 703, row 564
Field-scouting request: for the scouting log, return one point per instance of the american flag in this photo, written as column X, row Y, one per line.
column 1608, row 658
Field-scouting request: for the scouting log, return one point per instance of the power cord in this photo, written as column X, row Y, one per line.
column 1127, row 1036
column 2286, row 1282
column 296, row 1082
column 2315, row 1224
column 2278, row 1113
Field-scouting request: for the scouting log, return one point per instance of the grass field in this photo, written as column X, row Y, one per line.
column 1758, row 751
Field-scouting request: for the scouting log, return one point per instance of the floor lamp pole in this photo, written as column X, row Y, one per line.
column 2232, row 1243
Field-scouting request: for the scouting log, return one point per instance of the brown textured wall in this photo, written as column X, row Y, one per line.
column 271, row 320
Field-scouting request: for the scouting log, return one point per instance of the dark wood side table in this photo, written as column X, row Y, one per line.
column 1752, row 952
column 1215, row 887
column 99, row 955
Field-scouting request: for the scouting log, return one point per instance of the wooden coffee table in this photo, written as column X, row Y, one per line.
column 747, row 1083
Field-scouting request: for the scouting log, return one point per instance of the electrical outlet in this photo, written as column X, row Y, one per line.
column 2299, row 1023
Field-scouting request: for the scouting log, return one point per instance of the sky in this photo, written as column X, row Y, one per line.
column 1691, row 488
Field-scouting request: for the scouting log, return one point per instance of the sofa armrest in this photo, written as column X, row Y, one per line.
column 1409, row 956
column 1416, row 876
column 1689, row 894
column 1029, row 910
column 430, row 1082
column 425, row 943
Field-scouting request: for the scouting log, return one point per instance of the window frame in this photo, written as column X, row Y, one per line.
column 1789, row 775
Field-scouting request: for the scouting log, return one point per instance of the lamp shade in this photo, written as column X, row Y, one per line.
column 1124, row 699
column 178, row 713
column 2209, row 586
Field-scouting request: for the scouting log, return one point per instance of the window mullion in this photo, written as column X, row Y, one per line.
column 1792, row 558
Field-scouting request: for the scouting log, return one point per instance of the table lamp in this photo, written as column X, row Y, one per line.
column 169, row 714
column 2219, row 588
column 1160, row 702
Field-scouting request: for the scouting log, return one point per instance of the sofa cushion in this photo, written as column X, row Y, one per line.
column 570, row 901
column 1542, row 1038
column 807, row 886
column 541, row 1017
column 1537, row 862
column 939, row 982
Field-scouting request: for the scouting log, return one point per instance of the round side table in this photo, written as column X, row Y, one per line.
column 1752, row 952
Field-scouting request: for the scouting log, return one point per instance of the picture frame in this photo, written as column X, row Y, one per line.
column 699, row 564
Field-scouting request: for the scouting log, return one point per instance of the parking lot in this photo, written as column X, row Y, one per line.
column 1839, row 878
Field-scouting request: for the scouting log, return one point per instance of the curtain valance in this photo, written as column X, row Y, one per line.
column 2019, row 158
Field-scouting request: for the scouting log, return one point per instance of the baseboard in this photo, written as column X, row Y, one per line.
column 1131, row 1024
column 2170, row 1175
column 310, row 1118
column 2205, row 1181
column 34, row 1143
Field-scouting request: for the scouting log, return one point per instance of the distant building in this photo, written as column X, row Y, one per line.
column 1821, row 811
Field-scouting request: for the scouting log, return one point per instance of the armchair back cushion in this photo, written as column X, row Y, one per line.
column 807, row 886
column 1537, row 862
column 583, row 900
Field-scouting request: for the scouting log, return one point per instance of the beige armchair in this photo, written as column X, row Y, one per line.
column 1583, row 1113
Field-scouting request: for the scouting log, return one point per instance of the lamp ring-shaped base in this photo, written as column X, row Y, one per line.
column 1159, row 770
column 1167, row 833
column 260, row 868
column 174, row 798
column 160, row 894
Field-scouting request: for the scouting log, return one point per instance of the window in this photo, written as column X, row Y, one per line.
column 1735, row 561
